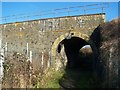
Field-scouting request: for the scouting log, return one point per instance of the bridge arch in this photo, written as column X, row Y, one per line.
column 64, row 36
column 70, row 35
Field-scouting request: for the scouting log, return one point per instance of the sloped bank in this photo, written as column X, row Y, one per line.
column 109, row 54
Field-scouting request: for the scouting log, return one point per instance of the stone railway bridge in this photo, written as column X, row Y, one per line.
column 42, row 39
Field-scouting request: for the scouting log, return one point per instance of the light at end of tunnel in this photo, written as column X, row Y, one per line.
column 86, row 46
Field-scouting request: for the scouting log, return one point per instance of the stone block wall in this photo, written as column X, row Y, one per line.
column 41, row 34
column 38, row 37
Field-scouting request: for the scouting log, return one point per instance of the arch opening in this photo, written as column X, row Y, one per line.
column 78, row 53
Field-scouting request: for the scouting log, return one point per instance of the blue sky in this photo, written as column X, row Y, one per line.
column 33, row 8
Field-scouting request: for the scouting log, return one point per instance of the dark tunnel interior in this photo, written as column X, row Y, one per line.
column 79, row 67
column 75, row 57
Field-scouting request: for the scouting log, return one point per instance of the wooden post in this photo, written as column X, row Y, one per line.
column 48, row 62
column 30, row 68
column 1, row 66
column 30, row 56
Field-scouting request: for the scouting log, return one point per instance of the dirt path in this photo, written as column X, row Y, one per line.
column 82, row 77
